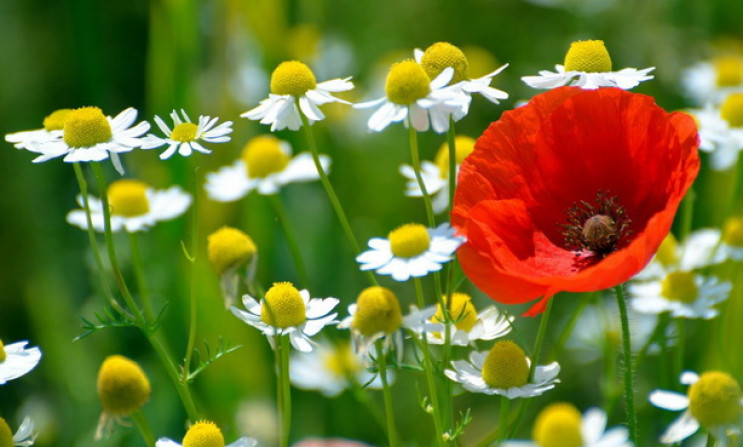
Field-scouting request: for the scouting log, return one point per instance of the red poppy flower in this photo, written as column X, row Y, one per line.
column 574, row 192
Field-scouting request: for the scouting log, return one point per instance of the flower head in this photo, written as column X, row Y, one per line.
column 469, row 325
column 205, row 434
column 721, row 131
column 295, row 90
column 16, row 360
column 25, row 435
column 375, row 315
column 185, row 135
column 266, row 165
column 134, row 207
column 683, row 294
column 284, row 310
column 594, row 209
column 51, row 130
column 227, row 250
column 122, row 386
column 710, row 81
column 588, row 65
column 410, row 250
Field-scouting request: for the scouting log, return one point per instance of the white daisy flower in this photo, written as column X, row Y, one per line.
column 712, row 81
column 185, row 135
column 436, row 175
column 205, row 434
column 504, row 370
column 562, row 424
column 416, row 100
column 700, row 249
column 713, row 401
column 721, row 131
column 411, row 250
column 266, row 165
column 294, row 90
column 16, row 360
column 88, row 135
column 25, row 435
column 284, row 310
column 683, row 294
column 134, row 207
column 30, row 139
column 588, row 65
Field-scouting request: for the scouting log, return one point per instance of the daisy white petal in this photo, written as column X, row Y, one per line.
column 19, row 360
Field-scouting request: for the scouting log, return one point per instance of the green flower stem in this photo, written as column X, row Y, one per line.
column 627, row 355
column 428, row 369
column 687, row 214
column 361, row 395
column 144, row 292
column 387, row 393
column 505, row 406
column 283, row 388
column 192, row 309
column 450, row 140
column 678, row 364
column 331, row 192
column 144, row 427
column 570, row 326
column 415, row 158
column 291, row 239
column 158, row 344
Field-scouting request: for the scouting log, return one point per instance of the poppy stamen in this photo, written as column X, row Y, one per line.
column 598, row 229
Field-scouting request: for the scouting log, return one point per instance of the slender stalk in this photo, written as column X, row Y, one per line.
column 710, row 440
column 686, row 214
column 143, row 427
column 387, row 393
column 291, row 239
column 144, row 291
column 283, row 389
column 627, row 355
column 415, row 158
column 192, row 309
column 678, row 364
column 505, row 404
column 540, row 338
column 451, row 142
column 568, row 330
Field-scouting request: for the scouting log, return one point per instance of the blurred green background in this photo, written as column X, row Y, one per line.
column 214, row 58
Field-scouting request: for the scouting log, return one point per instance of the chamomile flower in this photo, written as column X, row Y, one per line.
column 284, row 310
column 227, row 250
column 588, row 65
column 266, row 165
column 375, row 315
column 412, row 97
column 721, row 131
column 205, row 434
column 504, row 370
column 713, row 80
column 134, row 207
column 88, row 135
column 436, row 174
column 123, row 388
column 30, row 139
column 713, row 401
column 185, row 135
column 25, row 435
column 295, row 90
column 561, row 425
column 16, row 360
column 683, row 294
column 411, row 250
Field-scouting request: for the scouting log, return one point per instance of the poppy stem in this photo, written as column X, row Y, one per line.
column 629, row 396
column 387, row 393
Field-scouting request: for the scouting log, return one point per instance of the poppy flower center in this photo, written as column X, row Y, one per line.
column 263, row 156
column 589, row 56
column 558, row 425
column 377, row 310
column 341, row 361
column 732, row 110
column 55, row 120
column 463, row 146
column 461, row 311
column 679, row 286
column 598, row 229
column 406, row 83
column 715, row 399
column 292, row 78
column 733, row 232
column 441, row 55
column 728, row 71
column 667, row 253
column 184, row 132
column 229, row 247
column 409, row 240
column 6, row 436
column 122, row 386
column 86, row 127
column 128, row 198
column 283, row 306
column 505, row 366
column 203, row 434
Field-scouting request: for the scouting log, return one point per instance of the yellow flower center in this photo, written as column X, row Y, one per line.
column 122, row 386
column 463, row 146
column 341, row 361
column 377, row 310
column 558, row 425
column 263, row 156
column 589, row 56
column 409, row 240
column 203, row 434
column 441, row 55
column 229, row 247
column 184, row 132
column 55, row 120
column 128, row 198
column 461, row 310
column 679, row 286
column 6, row 436
column 729, row 71
column 732, row 110
column 292, row 78
column 733, row 232
column 505, row 366
column 667, row 252
column 406, row 83
column 86, row 127
column 3, row 354
column 715, row 399
column 283, row 306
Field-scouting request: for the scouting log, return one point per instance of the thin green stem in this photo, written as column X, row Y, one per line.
column 361, row 395
column 710, row 440
column 387, row 393
column 568, row 330
column 415, row 158
column 627, row 356
column 505, row 406
column 687, row 214
column 451, row 142
column 291, row 239
column 678, row 364
column 144, row 291
column 143, row 427
column 192, row 308
column 283, row 389
column 158, row 344
column 540, row 338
